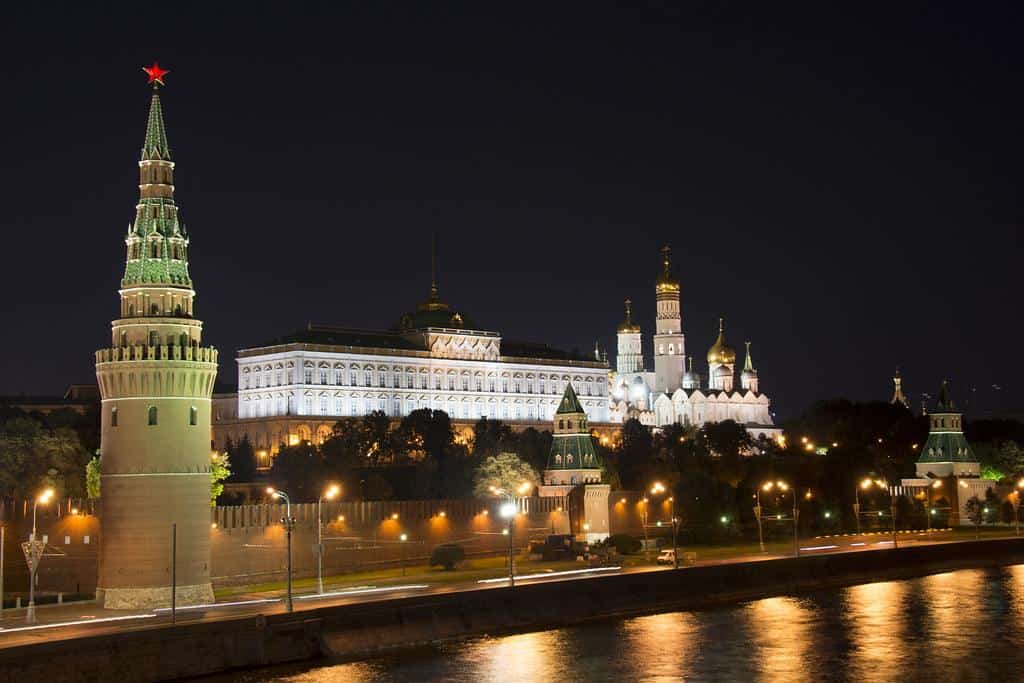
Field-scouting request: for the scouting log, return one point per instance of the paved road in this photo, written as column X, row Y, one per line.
column 79, row 619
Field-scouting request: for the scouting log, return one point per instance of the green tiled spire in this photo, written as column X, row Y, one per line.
column 157, row 243
column 155, row 145
column 569, row 404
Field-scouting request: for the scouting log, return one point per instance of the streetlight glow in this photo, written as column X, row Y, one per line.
column 508, row 510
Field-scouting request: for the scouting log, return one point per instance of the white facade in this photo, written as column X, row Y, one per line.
column 671, row 396
column 463, row 374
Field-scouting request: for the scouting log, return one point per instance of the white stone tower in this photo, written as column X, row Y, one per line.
column 630, row 358
column 668, row 338
column 156, row 381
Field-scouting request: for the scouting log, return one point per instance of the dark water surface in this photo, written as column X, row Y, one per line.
column 960, row 626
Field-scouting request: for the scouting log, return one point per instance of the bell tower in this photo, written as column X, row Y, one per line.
column 668, row 337
column 156, row 380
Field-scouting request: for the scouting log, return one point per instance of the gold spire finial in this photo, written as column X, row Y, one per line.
column 628, row 325
column 721, row 325
column 629, row 310
column 433, row 265
column 666, row 251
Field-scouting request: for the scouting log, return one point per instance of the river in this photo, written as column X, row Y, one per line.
column 959, row 626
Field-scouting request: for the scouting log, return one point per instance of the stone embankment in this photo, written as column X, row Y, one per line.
column 365, row 629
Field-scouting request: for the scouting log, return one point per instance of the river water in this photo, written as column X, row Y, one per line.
column 959, row 626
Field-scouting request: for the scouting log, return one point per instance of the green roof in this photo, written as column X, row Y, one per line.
column 155, row 145
column 573, row 452
column 570, row 403
column 947, row 447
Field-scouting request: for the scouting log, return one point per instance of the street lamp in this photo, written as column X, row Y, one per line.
column 34, row 551
column 937, row 484
column 508, row 511
column 289, row 523
column 1016, row 506
column 657, row 488
column 643, row 523
column 331, row 493
column 783, row 487
column 402, row 539
column 866, row 484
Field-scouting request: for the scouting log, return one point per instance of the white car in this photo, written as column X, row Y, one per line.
column 667, row 557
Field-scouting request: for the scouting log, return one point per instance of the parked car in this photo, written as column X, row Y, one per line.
column 667, row 556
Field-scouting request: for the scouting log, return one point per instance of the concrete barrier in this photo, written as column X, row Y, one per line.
column 365, row 629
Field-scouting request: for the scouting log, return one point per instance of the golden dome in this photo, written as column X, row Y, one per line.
column 720, row 352
column 665, row 281
column 628, row 325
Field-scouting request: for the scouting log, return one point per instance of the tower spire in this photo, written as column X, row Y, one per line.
column 748, row 364
column 897, row 390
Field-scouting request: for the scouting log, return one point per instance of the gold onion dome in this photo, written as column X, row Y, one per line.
column 628, row 325
column 720, row 352
column 665, row 281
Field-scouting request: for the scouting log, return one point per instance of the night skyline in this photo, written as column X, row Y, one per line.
column 848, row 207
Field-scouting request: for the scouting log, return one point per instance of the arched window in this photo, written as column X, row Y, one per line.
column 131, row 310
column 193, row 416
column 154, row 338
column 113, row 417
column 177, row 311
column 152, row 415
column 561, row 424
column 154, row 309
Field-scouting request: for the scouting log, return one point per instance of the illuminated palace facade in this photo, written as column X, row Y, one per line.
column 673, row 392
column 297, row 387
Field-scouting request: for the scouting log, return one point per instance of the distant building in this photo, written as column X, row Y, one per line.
column 897, row 391
column 672, row 395
column 297, row 387
column 78, row 398
column 948, row 457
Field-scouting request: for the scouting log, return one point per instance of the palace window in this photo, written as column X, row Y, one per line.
column 465, row 384
column 323, row 406
column 423, row 381
column 113, row 417
column 152, row 416
column 368, row 376
column 307, row 376
column 323, row 377
column 451, row 382
column 309, row 407
column 280, row 377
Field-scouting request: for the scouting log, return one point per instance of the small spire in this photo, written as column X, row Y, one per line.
column 690, row 365
column 721, row 325
column 666, row 252
column 748, row 365
column 897, row 394
column 629, row 312
column 597, row 352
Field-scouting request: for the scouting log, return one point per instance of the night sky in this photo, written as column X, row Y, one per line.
column 842, row 188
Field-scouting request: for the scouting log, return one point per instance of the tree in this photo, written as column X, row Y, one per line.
column 447, row 556
column 298, row 470
column 243, row 460
column 728, row 443
column 490, row 437
column 33, row 457
column 92, row 478
column 220, row 469
column 976, row 512
column 505, row 471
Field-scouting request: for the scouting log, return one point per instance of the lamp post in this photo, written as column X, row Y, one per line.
column 332, row 492
column 657, row 488
column 928, row 511
column 757, row 513
column 865, row 485
column 402, row 539
column 643, row 523
column 783, row 487
column 34, row 555
column 289, row 523
column 508, row 511
column 1016, row 507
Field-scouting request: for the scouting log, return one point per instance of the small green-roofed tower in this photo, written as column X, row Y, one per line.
column 946, row 450
column 572, row 459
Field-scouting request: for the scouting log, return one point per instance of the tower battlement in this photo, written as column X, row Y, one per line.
column 160, row 352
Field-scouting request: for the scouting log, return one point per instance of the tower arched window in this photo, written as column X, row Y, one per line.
column 154, row 338
column 152, row 416
column 113, row 417
column 154, row 251
column 193, row 416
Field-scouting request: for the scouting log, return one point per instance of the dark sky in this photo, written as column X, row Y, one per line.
column 842, row 187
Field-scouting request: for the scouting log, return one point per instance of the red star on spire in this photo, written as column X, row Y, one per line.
column 155, row 73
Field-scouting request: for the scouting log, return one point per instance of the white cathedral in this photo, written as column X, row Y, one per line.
column 671, row 394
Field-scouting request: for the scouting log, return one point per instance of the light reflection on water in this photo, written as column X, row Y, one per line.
column 959, row 626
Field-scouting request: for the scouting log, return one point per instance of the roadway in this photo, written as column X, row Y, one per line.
column 80, row 619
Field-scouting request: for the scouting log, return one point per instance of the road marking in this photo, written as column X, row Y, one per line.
column 821, row 547
column 261, row 601
column 77, row 623
column 546, row 575
column 362, row 591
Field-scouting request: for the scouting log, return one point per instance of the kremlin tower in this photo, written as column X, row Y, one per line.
column 668, row 335
column 156, row 381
